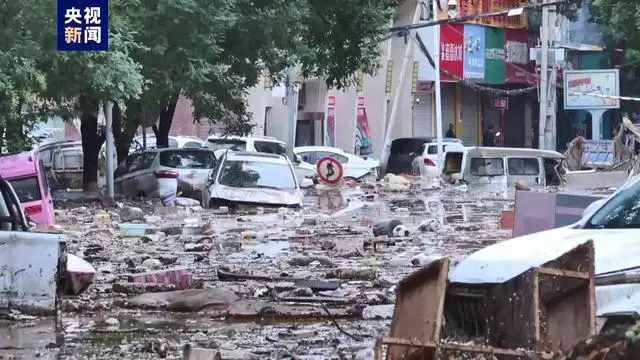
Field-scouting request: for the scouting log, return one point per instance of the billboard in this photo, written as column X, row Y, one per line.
column 474, row 52
column 451, row 45
column 589, row 89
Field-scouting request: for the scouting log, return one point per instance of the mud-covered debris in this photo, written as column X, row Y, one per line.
column 217, row 299
column 197, row 247
column 140, row 288
column 192, row 353
column 385, row 227
column 186, row 202
column 378, row 312
column 181, row 278
column 327, row 245
column 168, row 259
column 365, row 274
column 324, row 261
column 130, row 213
column 150, row 238
column 401, row 231
column 152, row 264
column 430, row 225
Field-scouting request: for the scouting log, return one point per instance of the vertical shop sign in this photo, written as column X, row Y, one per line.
column 494, row 64
column 474, row 52
column 451, row 43
column 516, row 48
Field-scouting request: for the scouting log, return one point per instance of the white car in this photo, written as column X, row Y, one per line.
column 426, row 161
column 355, row 167
column 614, row 226
column 253, row 179
column 174, row 142
column 265, row 144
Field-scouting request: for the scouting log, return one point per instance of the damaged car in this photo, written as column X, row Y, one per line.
column 253, row 179
column 144, row 171
column 613, row 224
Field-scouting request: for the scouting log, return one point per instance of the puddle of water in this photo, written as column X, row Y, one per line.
column 268, row 249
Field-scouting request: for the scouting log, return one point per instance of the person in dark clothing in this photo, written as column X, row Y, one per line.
column 451, row 133
column 489, row 137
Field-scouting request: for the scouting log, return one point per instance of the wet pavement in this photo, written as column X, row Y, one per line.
column 290, row 308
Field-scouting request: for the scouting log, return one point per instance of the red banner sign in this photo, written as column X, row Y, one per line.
column 451, row 46
column 519, row 69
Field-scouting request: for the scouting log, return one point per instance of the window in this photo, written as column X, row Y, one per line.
column 553, row 171
column 231, row 144
column 269, row 147
column 487, row 166
column 26, row 188
column 321, row 154
column 309, row 157
column 181, row 159
column 255, row 174
column 43, row 175
column 622, row 211
column 433, row 149
column 523, row 166
column 134, row 161
column 147, row 160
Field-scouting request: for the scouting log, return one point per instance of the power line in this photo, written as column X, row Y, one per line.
column 400, row 30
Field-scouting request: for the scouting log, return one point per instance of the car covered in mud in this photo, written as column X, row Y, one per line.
column 253, row 179
column 613, row 224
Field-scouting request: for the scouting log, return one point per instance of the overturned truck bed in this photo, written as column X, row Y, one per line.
column 542, row 311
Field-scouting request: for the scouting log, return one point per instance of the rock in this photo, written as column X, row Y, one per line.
column 429, row 225
column 365, row 354
column 219, row 299
column 187, row 202
column 385, row 227
column 150, row 238
column 140, row 288
column 299, row 292
column 327, row 245
column 152, row 264
column 197, row 247
column 310, row 221
column 168, row 259
column 366, row 274
column 381, row 312
column 130, row 213
column 397, row 183
column 112, row 322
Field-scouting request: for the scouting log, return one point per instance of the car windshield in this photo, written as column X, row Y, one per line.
column 232, row 144
column 184, row 159
column 26, row 188
column 487, row 166
column 622, row 211
column 257, row 174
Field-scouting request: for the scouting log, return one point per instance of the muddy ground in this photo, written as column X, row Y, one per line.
column 255, row 319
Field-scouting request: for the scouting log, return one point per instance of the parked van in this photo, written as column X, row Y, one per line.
column 25, row 172
column 494, row 165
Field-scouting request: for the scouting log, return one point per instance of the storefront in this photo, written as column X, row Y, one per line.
column 424, row 111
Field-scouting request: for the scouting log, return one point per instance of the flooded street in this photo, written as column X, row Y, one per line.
column 264, row 285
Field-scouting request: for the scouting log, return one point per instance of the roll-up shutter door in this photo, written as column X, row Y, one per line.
column 423, row 115
column 469, row 117
column 448, row 105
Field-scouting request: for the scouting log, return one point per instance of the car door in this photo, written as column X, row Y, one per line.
column 145, row 179
column 125, row 181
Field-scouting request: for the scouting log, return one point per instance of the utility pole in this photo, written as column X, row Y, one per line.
column 544, row 78
column 108, row 114
column 292, row 107
column 438, row 94
column 408, row 55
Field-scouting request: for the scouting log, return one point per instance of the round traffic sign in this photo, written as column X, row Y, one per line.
column 329, row 170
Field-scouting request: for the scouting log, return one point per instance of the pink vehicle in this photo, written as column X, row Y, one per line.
column 27, row 176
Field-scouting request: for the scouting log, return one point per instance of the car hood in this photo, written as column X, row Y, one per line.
column 615, row 249
column 257, row 195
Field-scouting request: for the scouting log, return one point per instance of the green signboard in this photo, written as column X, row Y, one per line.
column 494, row 71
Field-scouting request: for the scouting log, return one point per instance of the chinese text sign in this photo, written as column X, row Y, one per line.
column 451, row 44
column 83, row 25
column 474, row 52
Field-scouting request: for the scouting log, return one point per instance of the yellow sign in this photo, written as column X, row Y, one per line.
column 389, row 81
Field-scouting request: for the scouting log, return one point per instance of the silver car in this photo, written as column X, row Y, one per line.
column 140, row 175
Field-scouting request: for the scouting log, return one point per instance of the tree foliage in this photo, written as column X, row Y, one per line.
column 211, row 51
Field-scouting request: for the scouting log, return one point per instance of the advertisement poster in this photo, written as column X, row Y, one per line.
column 474, row 52
column 581, row 85
column 331, row 122
column 451, row 43
column 518, row 68
column 494, row 68
column 363, row 146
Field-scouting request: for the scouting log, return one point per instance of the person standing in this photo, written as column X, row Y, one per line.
column 451, row 133
column 489, row 136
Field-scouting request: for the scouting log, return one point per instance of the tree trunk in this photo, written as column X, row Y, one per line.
column 91, row 143
column 124, row 129
column 164, row 123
